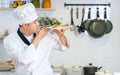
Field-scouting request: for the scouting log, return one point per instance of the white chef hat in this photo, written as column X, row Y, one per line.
column 25, row 13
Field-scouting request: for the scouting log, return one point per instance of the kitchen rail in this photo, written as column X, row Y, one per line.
column 67, row 4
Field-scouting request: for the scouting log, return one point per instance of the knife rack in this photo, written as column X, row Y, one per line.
column 67, row 4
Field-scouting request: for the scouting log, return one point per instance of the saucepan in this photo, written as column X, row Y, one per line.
column 90, row 70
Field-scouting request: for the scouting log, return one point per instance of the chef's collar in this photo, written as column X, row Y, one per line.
column 23, row 38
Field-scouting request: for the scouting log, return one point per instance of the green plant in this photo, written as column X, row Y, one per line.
column 48, row 21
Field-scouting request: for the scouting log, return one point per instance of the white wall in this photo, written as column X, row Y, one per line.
column 83, row 48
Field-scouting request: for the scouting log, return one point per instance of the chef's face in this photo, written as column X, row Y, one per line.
column 33, row 26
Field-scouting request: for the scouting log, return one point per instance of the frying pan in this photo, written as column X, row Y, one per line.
column 97, row 27
column 87, row 22
column 108, row 23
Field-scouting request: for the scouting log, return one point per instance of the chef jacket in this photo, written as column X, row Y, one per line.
column 29, row 60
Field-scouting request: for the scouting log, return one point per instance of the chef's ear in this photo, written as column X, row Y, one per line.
column 24, row 26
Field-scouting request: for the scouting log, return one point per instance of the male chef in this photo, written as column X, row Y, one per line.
column 30, row 46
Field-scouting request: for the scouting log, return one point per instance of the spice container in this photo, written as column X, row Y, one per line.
column 36, row 3
column 19, row 3
column 14, row 5
column 47, row 3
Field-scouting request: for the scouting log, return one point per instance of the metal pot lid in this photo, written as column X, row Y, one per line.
column 90, row 66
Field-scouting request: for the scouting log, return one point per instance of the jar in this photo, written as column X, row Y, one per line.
column 36, row 3
column 14, row 5
column 19, row 3
column 47, row 4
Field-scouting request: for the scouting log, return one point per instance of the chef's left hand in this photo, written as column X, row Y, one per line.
column 59, row 32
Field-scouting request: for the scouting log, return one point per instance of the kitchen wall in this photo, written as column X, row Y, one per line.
column 83, row 48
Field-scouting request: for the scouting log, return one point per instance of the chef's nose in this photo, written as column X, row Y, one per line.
column 37, row 23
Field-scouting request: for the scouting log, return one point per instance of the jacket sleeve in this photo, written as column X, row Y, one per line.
column 57, row 44
column 23, row 55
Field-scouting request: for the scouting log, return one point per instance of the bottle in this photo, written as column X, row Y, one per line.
column 36, row 3
column 47, row 4
column 14, row 5
column 19, row 3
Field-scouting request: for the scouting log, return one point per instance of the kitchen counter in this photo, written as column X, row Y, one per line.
column 6, row 70
column 6, row 73
column 12, row 73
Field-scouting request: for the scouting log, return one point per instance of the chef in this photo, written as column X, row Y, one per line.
column 30, row 46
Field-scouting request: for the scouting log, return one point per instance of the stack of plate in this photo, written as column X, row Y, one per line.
column 4, row 67
column 3, row 33
column 101, row 73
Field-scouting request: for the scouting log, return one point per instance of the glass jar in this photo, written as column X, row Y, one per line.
column 36, row 3
column 47, row 4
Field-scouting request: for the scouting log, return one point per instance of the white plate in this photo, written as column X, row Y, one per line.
column 60, row 27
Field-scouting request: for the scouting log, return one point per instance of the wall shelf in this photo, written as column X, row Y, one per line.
column 38, row 9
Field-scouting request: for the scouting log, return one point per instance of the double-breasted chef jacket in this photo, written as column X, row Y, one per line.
column 27, row 59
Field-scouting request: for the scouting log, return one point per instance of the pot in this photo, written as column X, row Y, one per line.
column 90, row 70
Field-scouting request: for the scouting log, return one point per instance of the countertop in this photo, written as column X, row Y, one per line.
column 12, row 73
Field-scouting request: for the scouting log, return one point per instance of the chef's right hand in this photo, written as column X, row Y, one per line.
column 42, row 32
column 40, row 35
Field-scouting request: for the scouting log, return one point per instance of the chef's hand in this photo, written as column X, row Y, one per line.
column 40, row 35
column 42, row 32
column 60, row 34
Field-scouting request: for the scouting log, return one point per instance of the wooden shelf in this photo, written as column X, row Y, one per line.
column 45, row 9
column 38, row 9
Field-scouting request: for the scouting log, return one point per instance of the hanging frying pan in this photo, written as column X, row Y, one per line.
column 108, row 23
column 97, row 27
column 87, row 22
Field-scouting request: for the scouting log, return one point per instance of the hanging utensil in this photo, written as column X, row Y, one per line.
column 72, row 28
column 108, row 23
column 77, row 13
column 76, row 31
column 87, row 22
column 77, row 16
column 97, row 27
column 81, row 28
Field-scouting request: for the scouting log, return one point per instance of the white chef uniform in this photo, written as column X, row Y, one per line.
column 27, row 59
